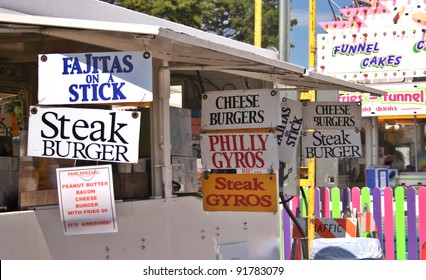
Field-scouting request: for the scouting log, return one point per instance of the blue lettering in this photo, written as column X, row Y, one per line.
column 419, row 46
column 96, row 92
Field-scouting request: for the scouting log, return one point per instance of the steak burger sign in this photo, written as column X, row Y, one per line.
column 83, row 78
column 85, row 134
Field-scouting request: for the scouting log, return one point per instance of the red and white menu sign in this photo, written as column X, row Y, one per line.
column 86, row 199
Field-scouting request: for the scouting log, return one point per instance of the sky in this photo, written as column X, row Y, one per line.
column 300, row 36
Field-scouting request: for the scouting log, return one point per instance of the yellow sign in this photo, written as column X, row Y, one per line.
column 240, row 192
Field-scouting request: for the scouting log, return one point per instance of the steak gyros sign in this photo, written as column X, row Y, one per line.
column 85, row 134
column 83, row 78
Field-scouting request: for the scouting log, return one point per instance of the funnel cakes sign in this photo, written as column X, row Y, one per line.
column 381, row 40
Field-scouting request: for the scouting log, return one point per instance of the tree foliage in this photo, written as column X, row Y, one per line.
column 230, row 18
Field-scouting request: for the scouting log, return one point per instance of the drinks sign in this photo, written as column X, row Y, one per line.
column 85, row 134
column 83, row 78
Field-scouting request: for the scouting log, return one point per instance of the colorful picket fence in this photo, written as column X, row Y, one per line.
column 399, row 214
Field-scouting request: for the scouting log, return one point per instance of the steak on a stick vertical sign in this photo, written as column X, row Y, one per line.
column 256, row 150
column 239, row 109
column 85, row 134
column 86, row 199
column 289, row 129
column 105, row 77
column 240, row 192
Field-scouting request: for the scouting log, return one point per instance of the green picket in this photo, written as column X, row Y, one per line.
column 400, row 223
column 335, row 202
column 365, row 200
column 365, row 205
column 303, row 205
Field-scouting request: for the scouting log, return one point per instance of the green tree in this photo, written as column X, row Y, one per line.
column 230, row 18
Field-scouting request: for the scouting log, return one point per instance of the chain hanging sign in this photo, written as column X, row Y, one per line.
column 256, row 150
column 332, row 115
column 332, row 144
column 240, row 109
column 85, row 134
column 240, row 192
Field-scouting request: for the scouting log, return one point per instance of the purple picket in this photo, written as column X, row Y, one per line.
column 411, row 224
column 389, row 224
column 286, row 235
column 346, row 198
column 325, row 203
column 317, row 202
column 377, row 213
column 356, row 199
column 422, row 219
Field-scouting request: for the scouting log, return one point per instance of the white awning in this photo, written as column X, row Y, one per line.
column 184, row 47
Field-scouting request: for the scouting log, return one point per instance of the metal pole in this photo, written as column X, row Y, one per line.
column 284, row 30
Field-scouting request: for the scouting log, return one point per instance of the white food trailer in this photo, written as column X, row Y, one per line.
column 157, row 204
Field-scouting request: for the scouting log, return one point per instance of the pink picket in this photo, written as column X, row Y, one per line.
column 325, row 202
column 422, row 221
column 389, row 224
column 356, row 199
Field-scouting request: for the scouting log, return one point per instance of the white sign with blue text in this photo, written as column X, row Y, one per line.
column 94, row 78
column 84, row 134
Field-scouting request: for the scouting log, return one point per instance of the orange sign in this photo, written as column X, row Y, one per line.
column 329, row 227
column 240, row 192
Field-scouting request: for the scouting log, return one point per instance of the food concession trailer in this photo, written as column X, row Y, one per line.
column 157, row 201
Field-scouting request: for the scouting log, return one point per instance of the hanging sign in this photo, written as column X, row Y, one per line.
column 239, row 109
column 329, row 227
column 9, row 124
column 400, row 99
column 84, row 78
column 86, row 199
column 289, row 129
column 85, row 134
column 240, row 192
column 239, row 150
column 377, row 41
column 331, row 115
column 332, row 144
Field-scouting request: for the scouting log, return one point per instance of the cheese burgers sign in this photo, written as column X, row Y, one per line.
column 85, row 134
